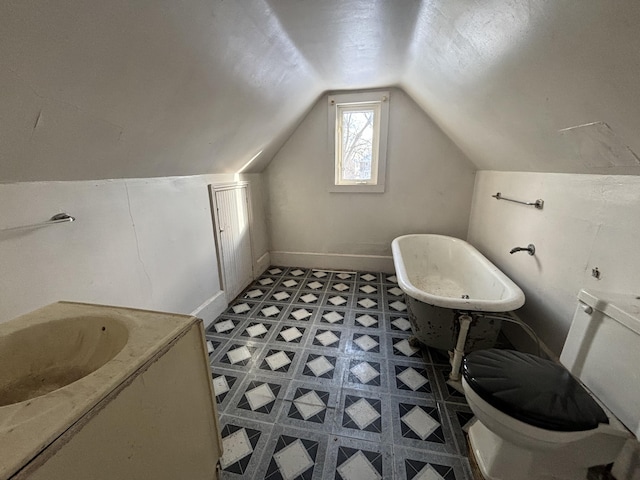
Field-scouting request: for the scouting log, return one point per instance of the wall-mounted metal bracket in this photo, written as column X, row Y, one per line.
column 538, row 203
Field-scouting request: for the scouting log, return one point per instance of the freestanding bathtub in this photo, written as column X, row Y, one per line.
column 443, row 277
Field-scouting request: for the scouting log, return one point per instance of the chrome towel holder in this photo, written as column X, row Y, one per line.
column 57, row 218
column 538, row 203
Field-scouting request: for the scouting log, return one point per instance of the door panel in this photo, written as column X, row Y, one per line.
column 235, row 239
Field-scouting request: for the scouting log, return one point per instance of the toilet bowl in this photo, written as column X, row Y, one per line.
column 507, row 448
column 538, row 420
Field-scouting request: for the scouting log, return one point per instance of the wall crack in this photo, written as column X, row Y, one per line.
column 135, row 234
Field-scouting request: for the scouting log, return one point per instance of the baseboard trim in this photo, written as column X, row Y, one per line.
column 211, row 308
column 334, row 261
column 262, row 264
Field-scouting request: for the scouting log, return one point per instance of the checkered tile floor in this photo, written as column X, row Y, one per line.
column 315, row 379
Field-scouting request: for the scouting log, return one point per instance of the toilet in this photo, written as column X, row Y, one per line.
column 538, row 420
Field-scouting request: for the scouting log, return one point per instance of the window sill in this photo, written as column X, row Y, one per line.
column 356, row 188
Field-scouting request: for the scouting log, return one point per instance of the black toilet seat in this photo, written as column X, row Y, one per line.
column 533, row 390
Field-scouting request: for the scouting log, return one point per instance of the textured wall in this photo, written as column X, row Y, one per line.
column 501, row 77
column 153, row 88
column 144, row 243
column 429, row 188
column 587, row 221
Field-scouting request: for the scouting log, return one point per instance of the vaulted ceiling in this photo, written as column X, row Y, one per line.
column 92, row 89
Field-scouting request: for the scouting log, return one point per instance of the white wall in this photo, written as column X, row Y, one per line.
column 587, row 221
column 90, row 90
column 429, row 189
column 501, row 77
column 260, row 242
column 144, row 243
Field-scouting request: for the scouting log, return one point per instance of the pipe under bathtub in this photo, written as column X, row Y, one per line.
column 465, row 320
column 458, row 352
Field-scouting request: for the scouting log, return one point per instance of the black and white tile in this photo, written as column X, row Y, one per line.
column 256, row 330
column 300, row 313
column 239, row 355
column 399, row 323
column 292, row 334
column 276, row 270
column 278, row 360
column 364, row 319
column 461, row 418
column 238, row 444
column 320, row 274
column 338, row 287
column 315, row 285
column 243, row 443
column 260, row 396
column 225, row 326
column 290, row 283
column 281, row 295
column 414, row 464
column 305, row 297
column 355, row 459
column 362, row 413
column 393, row 291
column 421, row 424
column 416, row 469
column 320, row 366
column 364, row 343
column 296, row 272
column 345, row 276
column 403, row 349
column 241, row 308
column 214, row 345
column 255, row 293
column 368, row 302
column 266, row 281
column 309, row 405
column 270, row 311
column 294, row 455
column 338, row 300
column 326, row 337
column 315, row 378
column 412, row 380
column 389, row 279
column 368, row 289
column 369, row 277
column 396, row 305
column 448, row 393
column 366, row 372
column 357, row 463
column 332, row 316
column 224, row 384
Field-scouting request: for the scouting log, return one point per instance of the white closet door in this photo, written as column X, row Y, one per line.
column 235, row 239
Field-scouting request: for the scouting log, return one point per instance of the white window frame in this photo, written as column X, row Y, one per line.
column 380, row 102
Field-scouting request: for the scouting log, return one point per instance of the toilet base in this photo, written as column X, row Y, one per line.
column 498, row 459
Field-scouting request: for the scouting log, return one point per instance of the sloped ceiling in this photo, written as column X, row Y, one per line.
column 92, row 89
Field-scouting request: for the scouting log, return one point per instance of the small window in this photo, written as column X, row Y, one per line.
column 358, row 134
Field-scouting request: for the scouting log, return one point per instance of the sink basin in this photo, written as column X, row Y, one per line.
column 42, row 358
column 60, row 361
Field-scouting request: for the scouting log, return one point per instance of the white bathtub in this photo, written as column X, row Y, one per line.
column 442, row 276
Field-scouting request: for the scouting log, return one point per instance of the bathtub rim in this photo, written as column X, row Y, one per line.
column 514, row 300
